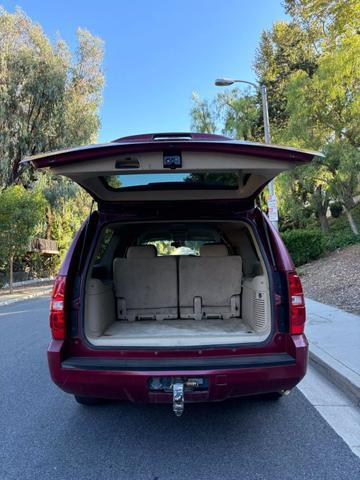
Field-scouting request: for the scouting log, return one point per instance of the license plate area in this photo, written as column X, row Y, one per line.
column 166, row 384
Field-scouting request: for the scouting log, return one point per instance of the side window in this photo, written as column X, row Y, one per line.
column 104, row 245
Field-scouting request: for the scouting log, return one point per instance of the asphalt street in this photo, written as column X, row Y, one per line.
column 44, row 434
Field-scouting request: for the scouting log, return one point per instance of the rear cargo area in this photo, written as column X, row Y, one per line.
column 177, row 285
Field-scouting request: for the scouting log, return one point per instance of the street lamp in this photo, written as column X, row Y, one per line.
column 226, row 82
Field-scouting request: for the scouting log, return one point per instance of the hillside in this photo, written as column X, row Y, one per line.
column 335, row 278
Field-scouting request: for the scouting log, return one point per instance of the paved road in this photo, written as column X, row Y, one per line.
column 44, row 434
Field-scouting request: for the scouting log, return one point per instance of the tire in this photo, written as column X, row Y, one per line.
column 273, row 396
column 89, row 401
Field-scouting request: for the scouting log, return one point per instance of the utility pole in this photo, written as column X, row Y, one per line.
column 272, row 203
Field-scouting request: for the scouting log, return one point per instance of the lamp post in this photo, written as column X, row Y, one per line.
column 272, row 204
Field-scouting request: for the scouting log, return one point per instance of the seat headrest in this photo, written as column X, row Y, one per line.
column 141, row 251
column 219, row 250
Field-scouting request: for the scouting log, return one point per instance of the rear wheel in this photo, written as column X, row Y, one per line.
column 272, row 396
column 88, row 400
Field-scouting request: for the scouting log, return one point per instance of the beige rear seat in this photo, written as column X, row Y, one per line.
column 210, row 285
column 145, row 285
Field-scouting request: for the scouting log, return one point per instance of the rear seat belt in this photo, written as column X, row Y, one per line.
column 235, row 306
column 197, row 308
column 121, row 305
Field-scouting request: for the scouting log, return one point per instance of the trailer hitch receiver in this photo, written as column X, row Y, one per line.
column 178, row 399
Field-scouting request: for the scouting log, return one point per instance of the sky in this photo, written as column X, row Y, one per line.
column 158, row 52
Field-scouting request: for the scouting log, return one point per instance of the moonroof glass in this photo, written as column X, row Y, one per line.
column 172, row 181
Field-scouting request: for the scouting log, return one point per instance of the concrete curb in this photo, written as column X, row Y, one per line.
column 26, row 283
column 26, row 297
column 337, row 373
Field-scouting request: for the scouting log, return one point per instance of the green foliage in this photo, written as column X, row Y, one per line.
column 311, row 66
column 202, row 115
column 303, row 195
column 38, row 265
column 234, row 113
column 341, row 224
column 304, row 245
column 56, row 189
column 339, row 239
column 113, row 181
column 21, row 213
column 48, row 99
column 163, row 247
column 326, row 107
column 285, row 49
column 329, row 19
column 68, row 218
column 240, row 114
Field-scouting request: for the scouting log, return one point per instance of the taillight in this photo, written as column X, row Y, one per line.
column 57, row 311
column 296, row 304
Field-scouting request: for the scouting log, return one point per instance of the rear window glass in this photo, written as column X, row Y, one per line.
column 104, row 244
column 165, row 247
column 179, row 239
column 169, row 181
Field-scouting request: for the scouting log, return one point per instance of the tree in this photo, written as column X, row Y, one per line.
column 21, row 211
column 62, row 195
column 342, row 163
column 311, row 68
column 283, row 50
column 241, row 114
column 203, row 118
column 303, row 192
column 234, row 113
column 330, row 19
column 324, row 112
column 48, row 99
column 68, row 217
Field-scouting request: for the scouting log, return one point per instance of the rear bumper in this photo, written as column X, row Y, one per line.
column 228, row 377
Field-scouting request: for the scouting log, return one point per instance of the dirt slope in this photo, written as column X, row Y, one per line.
column 335, row 279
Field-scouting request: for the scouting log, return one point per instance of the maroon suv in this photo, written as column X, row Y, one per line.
column 177, row 288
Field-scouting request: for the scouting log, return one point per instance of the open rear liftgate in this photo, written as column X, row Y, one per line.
column 178, row 386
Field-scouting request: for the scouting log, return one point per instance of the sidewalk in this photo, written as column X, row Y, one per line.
column 334, row 337
column 24, row 292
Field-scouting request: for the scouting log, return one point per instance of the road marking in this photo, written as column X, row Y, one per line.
column 334, row 406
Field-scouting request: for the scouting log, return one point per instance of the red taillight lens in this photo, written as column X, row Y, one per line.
column 57, row 311
column 296, row 304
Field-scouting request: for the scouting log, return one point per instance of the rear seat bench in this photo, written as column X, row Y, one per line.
column 145, row 285
column 152, row 287
column 210, row 285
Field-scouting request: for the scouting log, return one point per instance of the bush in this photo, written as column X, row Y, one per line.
column 339, row 239
column 336, row 209
column 304, row 245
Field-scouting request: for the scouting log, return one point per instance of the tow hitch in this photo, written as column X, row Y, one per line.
column 178, row 399
column 178, row 386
